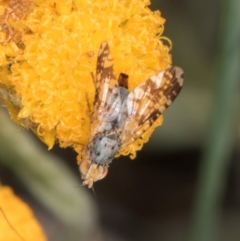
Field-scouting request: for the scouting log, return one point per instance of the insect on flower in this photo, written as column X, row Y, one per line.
column 120, row 117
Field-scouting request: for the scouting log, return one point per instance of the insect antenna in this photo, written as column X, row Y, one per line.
column 94, row 192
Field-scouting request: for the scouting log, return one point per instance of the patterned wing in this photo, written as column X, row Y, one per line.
column 147, row 102
column 107, row 100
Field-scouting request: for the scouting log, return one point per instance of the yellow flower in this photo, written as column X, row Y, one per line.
column 17, row 220
column 49, row 48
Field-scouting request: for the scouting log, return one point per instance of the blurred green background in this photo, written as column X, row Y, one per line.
column 185, row 183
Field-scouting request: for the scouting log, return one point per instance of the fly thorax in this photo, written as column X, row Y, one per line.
column 123, row 93
column 106, row 126
column 104, row 148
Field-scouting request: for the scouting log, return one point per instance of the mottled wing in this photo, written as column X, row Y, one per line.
column 147, row 102
column 107, row 98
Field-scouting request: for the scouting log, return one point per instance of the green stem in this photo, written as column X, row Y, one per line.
column 216, row 157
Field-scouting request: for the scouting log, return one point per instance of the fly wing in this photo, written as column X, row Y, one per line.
column 147, row 102
column 107, row 100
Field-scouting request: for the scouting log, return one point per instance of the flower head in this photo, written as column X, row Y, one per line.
column 49, row 48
